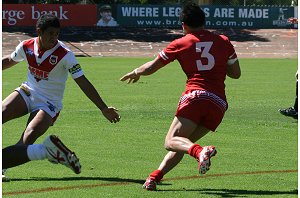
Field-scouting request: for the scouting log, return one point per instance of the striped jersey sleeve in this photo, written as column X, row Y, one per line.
column 169, row 54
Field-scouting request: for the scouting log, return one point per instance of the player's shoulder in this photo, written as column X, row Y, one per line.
column 64, row 46
column 183, row 39
column 29, row 41
column 218, row 35
column 68, row 53
column 223, row 37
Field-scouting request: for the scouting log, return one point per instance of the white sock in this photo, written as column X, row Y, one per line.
column 36, row 152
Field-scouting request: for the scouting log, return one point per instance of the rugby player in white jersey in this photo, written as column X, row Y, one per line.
column 49, row 63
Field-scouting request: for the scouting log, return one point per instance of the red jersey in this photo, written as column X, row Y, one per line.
column 203, row 57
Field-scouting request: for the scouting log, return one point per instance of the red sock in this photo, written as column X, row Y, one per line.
column 157, row 174
column 195, row 150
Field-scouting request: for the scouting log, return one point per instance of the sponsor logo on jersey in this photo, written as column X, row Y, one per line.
column 29, row 52
column 38, row 74
column 53, row 59
column 76, row 68
column 51, row 106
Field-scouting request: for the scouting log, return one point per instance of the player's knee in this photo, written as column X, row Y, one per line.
column 168, row 145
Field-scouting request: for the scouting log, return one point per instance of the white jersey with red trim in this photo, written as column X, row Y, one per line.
column 48, row 71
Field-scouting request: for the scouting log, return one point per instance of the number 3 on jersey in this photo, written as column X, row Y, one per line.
column 203, row 48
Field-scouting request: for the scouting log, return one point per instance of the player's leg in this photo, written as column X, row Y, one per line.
column 186, row 129
column 38, row 123
column 9, row 158
column 201, row 154
column 178, row 141
column 170, row 160
column 292, row 111
column 199, row 132
column 177, row 138
column 296, row 99
column 13, row 106
column 14, row 155
column 52, row 149
column 207, row 110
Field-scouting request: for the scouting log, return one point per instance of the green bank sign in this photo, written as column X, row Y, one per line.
column 216, row 16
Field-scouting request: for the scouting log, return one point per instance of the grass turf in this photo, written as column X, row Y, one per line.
column 257, row 147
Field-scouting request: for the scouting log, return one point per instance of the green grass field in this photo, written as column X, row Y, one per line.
column 257, row 146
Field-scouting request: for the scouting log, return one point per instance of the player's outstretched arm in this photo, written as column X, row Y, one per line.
column 7, row 62
column 89, row 90
column 146, row 69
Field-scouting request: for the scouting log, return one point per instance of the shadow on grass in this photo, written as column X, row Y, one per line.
column 123, row 181
column 236, row 192
column 108, row 179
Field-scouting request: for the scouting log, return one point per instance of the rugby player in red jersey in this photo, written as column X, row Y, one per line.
column 49, row 63
column 206, row 59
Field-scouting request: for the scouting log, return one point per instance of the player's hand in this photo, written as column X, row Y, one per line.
column 132, row 77
column 111, row 114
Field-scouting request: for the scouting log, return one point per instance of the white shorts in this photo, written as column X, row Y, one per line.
column 35, row 101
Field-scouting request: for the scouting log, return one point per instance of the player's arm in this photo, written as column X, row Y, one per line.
column 89, row 90
column 8, row 62
column 144, row 70
column 234, row 70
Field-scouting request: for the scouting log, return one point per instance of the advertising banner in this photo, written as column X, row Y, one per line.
column 249, row 17
column 69, row 15
column 157, row 16
column 149, row 15
column 216, row 16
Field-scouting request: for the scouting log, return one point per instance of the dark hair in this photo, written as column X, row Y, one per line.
column 192, row 15
column 105, row 8
column 46, row 21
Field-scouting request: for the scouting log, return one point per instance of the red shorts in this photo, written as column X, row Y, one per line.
column 202, row 107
